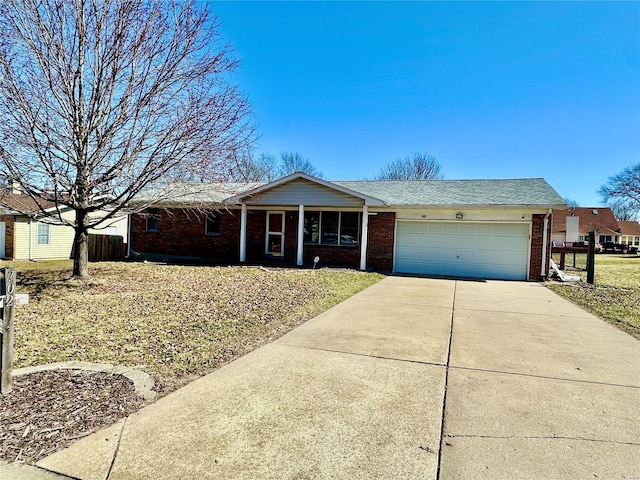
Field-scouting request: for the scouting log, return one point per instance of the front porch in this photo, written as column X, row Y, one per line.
column 289, row 237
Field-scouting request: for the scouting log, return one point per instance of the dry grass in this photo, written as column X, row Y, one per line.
column 615, row 295
column 174, row 322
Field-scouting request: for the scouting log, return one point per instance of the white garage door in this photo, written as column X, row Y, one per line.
column 481, row 250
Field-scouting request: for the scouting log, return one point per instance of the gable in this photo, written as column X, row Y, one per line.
column 301, row 191
column 629, row 228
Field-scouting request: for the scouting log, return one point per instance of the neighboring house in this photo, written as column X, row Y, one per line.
column 574, row 225
column 630, row 233
column 472, row 228
column 25, row 233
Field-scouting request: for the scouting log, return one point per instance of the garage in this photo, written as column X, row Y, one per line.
column 464, row 249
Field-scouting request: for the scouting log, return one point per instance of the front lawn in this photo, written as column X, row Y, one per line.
column 615, row 295
column 174, row 322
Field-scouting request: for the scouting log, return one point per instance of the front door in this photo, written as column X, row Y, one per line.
column 274, row 244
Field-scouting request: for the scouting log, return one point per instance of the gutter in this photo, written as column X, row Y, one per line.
column 543, row 266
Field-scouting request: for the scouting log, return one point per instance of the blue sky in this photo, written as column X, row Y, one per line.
column 492, row 90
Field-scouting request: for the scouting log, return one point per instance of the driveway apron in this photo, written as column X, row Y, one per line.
column 413, row 378
column 538, row 388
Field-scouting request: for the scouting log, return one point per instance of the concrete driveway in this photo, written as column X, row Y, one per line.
column 413, row 378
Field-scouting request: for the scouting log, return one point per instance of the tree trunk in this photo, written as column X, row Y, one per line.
column 81, row 247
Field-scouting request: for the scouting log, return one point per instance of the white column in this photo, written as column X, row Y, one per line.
column 300, row 234
column 363, row 237
column 243, row 233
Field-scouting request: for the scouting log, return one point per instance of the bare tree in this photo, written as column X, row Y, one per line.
column 570, row 202
column 418, row 166
column 623, row 211
column 266, row 167
column 100, row 99
column 294, row 162
column 622, row 193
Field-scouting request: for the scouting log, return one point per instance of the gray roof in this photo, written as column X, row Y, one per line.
column 505, row 192
column 521, row 191
column 183, row 193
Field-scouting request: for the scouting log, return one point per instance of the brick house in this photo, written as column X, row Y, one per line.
column 472, row 228
column 574, row 225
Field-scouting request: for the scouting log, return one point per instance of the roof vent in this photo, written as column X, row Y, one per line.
column 594, row 211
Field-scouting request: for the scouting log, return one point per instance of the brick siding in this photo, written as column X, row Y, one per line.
column 537, row 232
column 380, row 244
column 182, row 233
column 9, row 222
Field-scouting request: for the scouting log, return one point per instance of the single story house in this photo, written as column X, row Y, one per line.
column 574, row 225
column 630, row 233
column 472, row 228
column 25, row 233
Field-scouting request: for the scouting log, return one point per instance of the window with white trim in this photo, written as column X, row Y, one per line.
column 332, row 228
column 44, row 233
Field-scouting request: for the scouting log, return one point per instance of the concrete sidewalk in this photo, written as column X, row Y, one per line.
column 529, row 386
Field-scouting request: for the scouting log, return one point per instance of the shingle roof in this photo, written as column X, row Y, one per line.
column 604, row 219
column 195, row 193
column 629, row 228
column 20, row 202
column 522, row 191
column 505, row 192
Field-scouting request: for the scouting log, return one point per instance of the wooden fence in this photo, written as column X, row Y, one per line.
column 104, row 248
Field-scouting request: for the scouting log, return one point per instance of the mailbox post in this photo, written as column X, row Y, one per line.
column 7, row 304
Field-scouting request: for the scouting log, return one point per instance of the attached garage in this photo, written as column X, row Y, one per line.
column 464, row 249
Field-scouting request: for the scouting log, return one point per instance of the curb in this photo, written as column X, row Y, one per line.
column 142, row 382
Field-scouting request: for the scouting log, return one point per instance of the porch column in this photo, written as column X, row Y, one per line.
column 363, row 237
column 300, row 234
column 243, row 233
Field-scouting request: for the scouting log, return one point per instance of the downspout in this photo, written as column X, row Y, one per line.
column 30, row 241
column 243, row 233
column 543, row 267
column 128, row 237
column 364, row 238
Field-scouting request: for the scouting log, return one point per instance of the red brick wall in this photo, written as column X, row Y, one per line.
column 256, row 229
column 330, row 255
column 9, row 221
column 182, row 233
column 380, row 244
column 537, row 232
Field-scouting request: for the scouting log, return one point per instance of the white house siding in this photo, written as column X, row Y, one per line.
column 60, row 238
column 304, row 192
column 60, row 241
column 115, row 226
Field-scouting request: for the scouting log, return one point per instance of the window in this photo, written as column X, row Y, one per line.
column 636, row 241
column 329, row 225
column 44, row 233
column 153, row 217
column 332, row 228
column 349, row 226
column 312, row 227
column 212, row 226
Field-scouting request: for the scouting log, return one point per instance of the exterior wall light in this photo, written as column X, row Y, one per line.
column 459, row 216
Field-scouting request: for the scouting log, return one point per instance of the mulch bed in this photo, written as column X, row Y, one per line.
column 47, row 411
